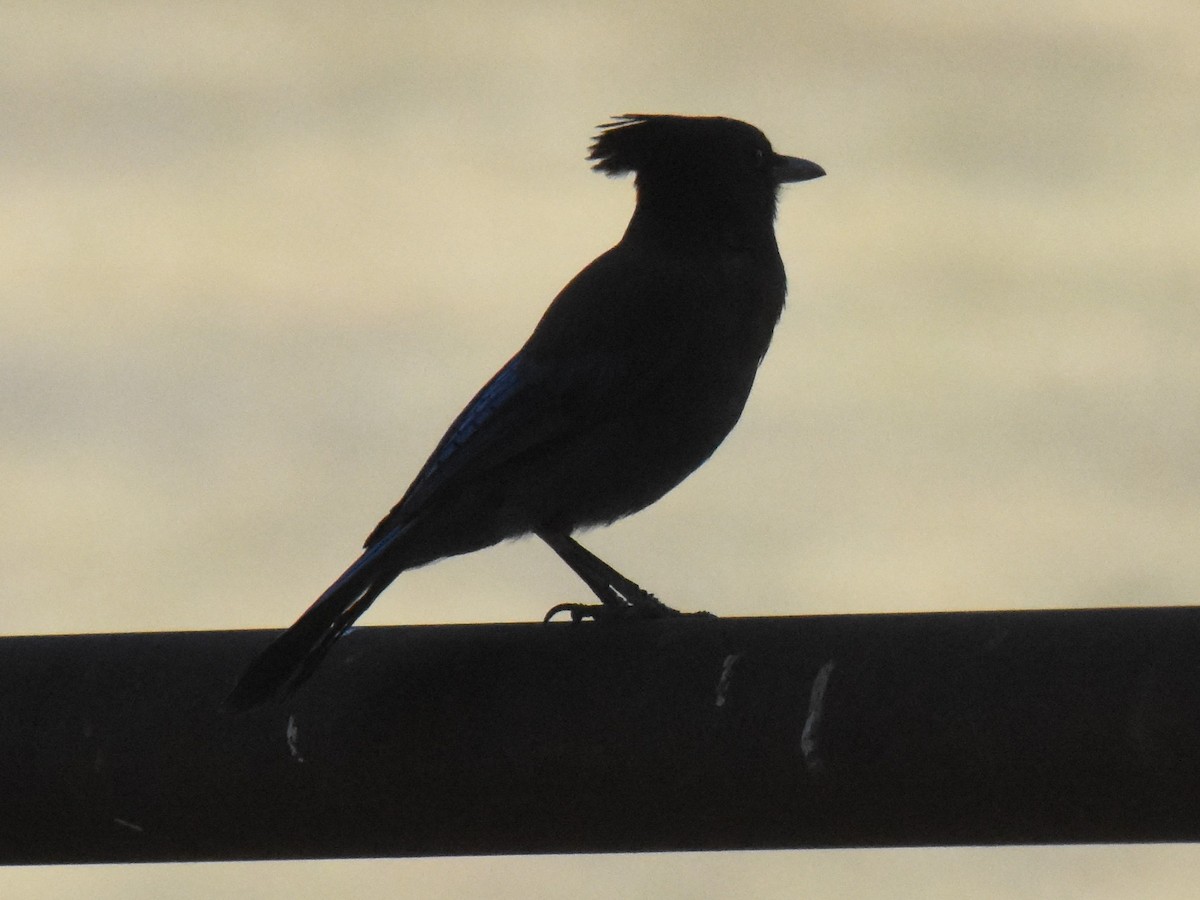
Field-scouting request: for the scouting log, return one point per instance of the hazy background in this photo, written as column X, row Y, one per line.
column 255, row 256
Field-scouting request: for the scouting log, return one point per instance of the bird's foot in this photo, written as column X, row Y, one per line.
column 597, row 612
column 647, row 607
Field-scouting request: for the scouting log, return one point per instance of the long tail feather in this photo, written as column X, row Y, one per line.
column 293, row 656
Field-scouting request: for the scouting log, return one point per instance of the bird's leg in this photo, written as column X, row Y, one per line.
column 619, row 597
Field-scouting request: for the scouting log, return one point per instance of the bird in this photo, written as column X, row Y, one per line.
column 633, row 376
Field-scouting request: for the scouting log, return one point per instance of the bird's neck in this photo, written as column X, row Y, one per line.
column 703, row 222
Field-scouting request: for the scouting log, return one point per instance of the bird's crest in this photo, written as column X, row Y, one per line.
column 637, row 141
column 624, row 144
column 662, row 144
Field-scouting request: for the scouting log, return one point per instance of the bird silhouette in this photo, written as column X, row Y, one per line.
column 634, row 375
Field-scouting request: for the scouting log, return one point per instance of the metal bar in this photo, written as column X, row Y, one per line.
column 681, row 734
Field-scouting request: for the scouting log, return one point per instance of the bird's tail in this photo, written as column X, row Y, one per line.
column 293, row 656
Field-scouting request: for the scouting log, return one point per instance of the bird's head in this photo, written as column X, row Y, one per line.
column 719, row 165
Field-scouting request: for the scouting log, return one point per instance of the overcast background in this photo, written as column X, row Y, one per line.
column 255, row 257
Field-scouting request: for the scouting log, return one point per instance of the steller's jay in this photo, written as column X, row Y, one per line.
column 636, row 372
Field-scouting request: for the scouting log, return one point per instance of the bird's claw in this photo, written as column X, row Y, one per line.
column 605, row 612
column 597, row 612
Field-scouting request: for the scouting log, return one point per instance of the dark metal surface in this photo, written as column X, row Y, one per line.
column 832, row 731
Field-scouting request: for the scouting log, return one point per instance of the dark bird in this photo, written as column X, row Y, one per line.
column 636, row 372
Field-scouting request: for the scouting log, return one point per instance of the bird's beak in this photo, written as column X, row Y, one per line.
column 790, row 168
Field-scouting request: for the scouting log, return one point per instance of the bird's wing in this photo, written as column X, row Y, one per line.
column 514, row 411
column 583, row 364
